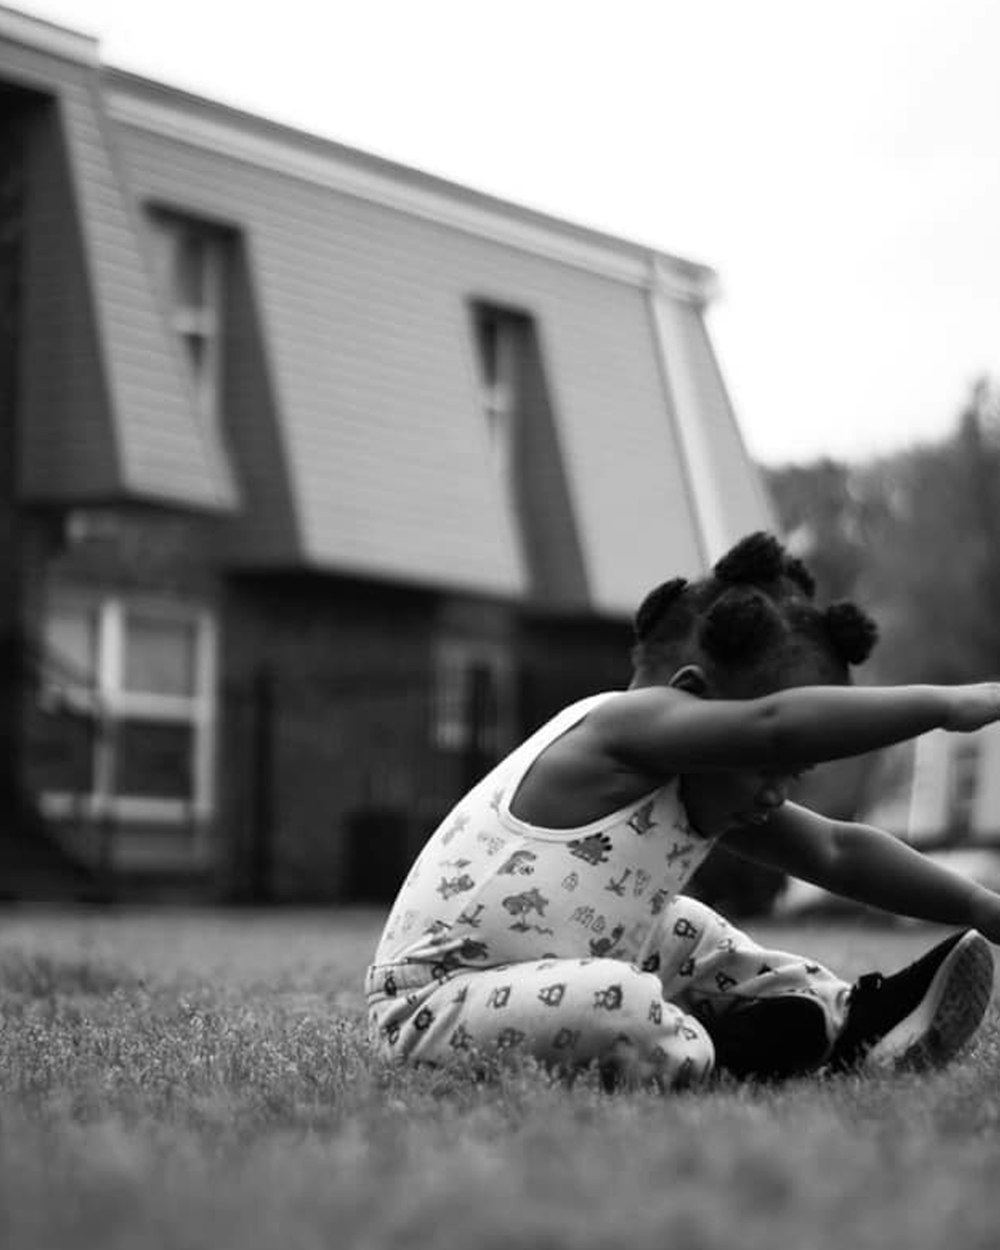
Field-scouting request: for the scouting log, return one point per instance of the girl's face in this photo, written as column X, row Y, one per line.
column 721, row 801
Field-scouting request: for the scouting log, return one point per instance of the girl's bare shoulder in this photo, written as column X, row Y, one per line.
column 635, row 707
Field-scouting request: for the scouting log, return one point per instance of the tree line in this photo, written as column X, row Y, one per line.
column 914, row 537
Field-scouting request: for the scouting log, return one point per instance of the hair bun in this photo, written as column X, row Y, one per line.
column 852, row 631
column 656, row 604
column 755, row 560
column 739, row 625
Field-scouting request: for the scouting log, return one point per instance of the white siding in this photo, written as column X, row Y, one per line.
column 365, row 316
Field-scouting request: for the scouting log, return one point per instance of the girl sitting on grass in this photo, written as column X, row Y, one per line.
column 546, row 911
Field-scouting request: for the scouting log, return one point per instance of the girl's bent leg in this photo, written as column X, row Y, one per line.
column 568, row 1013
column 769, row 1013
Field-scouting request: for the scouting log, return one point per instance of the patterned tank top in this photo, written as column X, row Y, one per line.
column 490, row 889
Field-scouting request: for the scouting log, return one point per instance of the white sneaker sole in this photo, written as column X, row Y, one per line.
column 946, row 1017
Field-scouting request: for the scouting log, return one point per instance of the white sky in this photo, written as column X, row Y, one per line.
column 837, row 163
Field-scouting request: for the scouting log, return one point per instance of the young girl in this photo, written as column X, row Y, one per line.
column 546, row 911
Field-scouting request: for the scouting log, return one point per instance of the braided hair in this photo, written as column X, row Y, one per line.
column 756, row 612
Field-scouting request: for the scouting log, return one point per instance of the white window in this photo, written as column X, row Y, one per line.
column 190, row 260
column 500, row 343
column 127, row 709
column 473, row 709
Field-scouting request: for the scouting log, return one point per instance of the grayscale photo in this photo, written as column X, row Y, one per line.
column 499, row 625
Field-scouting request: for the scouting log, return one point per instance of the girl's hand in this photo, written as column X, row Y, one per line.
column 971, row 707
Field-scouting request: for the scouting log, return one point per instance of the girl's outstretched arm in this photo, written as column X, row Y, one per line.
column 867, row 865
column 662, row 730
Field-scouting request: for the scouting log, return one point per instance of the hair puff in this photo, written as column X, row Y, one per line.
column 656, row 605
column 800, row 575
column 852, row 631
column 754, row 561
column 739, row 625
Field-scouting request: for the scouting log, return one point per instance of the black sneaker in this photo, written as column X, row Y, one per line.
column 922, row 1016
column 768, row 1039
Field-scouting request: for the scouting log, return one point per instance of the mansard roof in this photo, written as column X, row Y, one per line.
column 359, row 443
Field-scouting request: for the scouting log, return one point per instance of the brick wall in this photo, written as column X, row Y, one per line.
column 564, row 659
column 330, row 773
column 326, row 742
column 130, row 549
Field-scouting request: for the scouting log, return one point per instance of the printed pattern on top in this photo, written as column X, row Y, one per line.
column 488, row 889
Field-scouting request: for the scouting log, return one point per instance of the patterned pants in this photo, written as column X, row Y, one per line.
column 704, row 995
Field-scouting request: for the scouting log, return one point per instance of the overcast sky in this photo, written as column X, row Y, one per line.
column 837, row 164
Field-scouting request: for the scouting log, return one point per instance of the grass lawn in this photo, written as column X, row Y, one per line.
column 201, row 1079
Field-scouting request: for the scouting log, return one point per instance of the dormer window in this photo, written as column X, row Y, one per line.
column 525, row 448
column 500, row 339
column 190, row 261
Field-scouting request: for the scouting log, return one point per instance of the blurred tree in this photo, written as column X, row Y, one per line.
column 934, row 554
column 915, row 538
column 32, row 862
column 822, row 513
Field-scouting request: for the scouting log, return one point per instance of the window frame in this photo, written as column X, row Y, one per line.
column 109, row 703
column 204, row 321
column 499, row 341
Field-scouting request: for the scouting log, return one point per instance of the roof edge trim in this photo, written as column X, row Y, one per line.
column 699, row 288
column 35, row 32
column 630, row 263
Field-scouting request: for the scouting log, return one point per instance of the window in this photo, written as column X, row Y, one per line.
column 190, row 265
column 127, row 709
column 528, row 455
column 500, row 340
column 473, row 698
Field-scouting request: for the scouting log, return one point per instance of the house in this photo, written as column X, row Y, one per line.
column 940, row 790
column 327, row 478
